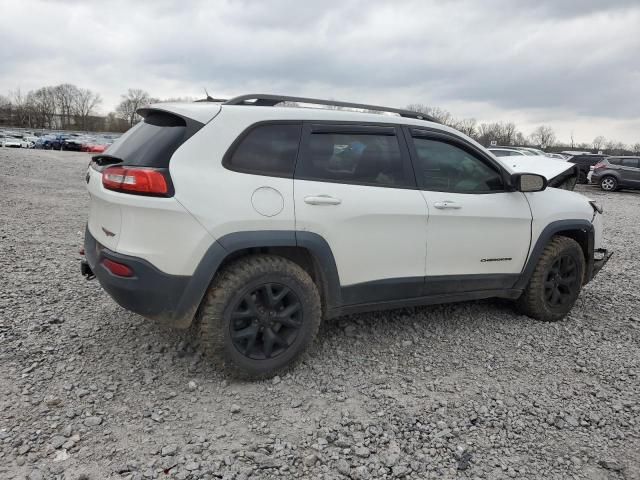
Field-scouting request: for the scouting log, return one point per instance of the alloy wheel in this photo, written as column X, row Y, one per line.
column 265, row 321
column 561, row 281
column 608, row 184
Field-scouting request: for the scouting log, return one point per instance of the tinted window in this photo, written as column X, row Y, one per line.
column 613, row 161
column 359, row 158
column 267, row 150
column 630, row 162
column 445, row 167
column 586, row 160
column 150, row 143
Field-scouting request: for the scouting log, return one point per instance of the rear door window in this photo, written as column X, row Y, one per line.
column 269, row 149
column 355, row 155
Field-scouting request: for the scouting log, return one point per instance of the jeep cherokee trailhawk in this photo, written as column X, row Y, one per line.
column 253, row 222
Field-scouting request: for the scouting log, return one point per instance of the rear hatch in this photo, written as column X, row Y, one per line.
column 134, row 170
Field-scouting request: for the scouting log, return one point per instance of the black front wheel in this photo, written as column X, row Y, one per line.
column 556, row 281
column 260, row 315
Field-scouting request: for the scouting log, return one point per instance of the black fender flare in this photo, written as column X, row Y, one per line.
column 545, row 237
column 202, row 277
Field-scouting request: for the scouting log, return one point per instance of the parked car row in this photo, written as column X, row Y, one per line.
column 76, row 142
column 17, row 140
column 610, row 173
column 509, row 151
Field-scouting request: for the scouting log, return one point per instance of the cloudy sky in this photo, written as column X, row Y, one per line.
column 571, row 64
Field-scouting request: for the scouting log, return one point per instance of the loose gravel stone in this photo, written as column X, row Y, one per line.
column 470, row 390
column 92, row 421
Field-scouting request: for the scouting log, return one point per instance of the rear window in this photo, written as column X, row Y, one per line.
column 151, row 143
column 269, row 149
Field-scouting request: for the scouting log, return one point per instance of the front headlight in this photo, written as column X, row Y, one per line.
column 596, row 206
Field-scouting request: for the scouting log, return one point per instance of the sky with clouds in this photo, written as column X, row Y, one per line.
column 571, row 64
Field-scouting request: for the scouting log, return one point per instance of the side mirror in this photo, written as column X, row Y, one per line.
column 528, row 182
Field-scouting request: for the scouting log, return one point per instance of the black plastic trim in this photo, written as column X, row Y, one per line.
column 268, row 100
column 175, row 299
column 150, row 292
column 451, row 284
column 430, row 300
column 545, row 237
column 405, row 289
column 383, row 290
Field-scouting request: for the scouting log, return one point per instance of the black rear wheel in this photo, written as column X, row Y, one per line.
column 260, row 315
column 266, row 321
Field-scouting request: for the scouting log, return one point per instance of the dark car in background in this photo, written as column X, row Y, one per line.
column 584, row 163
column 613, row 173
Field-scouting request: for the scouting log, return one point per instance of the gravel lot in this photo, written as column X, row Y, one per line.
column 473, row 390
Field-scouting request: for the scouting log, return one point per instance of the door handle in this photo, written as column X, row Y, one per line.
column 447, row 204
column 322, row 200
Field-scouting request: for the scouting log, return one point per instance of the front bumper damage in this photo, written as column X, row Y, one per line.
column 600, row 258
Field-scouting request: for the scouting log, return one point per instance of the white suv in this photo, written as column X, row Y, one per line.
column 254, row 222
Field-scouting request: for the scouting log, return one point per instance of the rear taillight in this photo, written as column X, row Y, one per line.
column 599, row 165
column 116, row 268
column 138, row 180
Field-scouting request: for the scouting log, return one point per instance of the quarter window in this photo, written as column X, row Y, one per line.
column 359, row 158
column 267, row 150
column 630, row 162
column 445, row 167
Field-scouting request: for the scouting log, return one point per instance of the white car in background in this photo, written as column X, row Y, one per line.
column 11, row 142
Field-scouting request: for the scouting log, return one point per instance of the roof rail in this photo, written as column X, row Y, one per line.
column 266, row 100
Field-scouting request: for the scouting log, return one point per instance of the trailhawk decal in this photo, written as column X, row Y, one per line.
column 505, row 259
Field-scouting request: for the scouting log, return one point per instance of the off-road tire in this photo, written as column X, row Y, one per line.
column 534, row 302
column 609, row 183
column 235, row 281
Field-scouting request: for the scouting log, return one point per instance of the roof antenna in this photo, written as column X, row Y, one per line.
column 209, row 97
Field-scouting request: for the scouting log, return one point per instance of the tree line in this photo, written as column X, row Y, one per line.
column 68, row 107
column 507, row 134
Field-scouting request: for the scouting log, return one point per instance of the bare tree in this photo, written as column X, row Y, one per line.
column 520, row 140
column 614, row 147
column 440, row 114
column 134, row 99
column 502, row 133
column 20, row 105
column 636, row 148
column 43, row 102
column 543, row 137
column 598, row 142
column 468, row 126
column 84, row 105
column 66, row 96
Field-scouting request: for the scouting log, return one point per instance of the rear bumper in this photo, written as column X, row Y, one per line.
column 150, row 292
